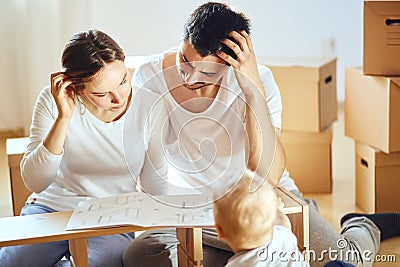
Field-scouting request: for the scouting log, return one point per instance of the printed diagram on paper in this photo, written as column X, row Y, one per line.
column 139, row 209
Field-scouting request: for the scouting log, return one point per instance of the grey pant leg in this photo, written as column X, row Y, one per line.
column 216, row 252
column 358, row 237
column 40, row 255
column 159, row 248
column 153, row 248
column 215, row 257
column 210, row 238
column 363, row 235
column 105, row 251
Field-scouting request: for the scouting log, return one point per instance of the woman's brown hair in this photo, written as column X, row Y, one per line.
column 86, row 53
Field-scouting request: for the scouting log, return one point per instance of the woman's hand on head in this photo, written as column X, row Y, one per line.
column 63, row 96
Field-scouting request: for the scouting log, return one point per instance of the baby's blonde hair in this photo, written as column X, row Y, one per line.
column 247, row 216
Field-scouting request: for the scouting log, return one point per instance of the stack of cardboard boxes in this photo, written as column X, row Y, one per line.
column 309, row 107
column 372, row 109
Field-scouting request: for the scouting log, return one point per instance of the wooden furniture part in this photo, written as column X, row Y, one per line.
column 190, row 248
column 15, row 149
column 297, row 211
column 20, row 230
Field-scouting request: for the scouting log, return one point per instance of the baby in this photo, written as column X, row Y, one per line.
column 252, row 223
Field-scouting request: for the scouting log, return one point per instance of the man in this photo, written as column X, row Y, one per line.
column 219, row 100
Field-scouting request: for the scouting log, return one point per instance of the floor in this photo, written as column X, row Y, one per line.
column 332, row 206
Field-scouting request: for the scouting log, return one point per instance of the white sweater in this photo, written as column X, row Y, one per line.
column 99, row 159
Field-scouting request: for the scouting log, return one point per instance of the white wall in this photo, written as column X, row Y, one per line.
column 9, row 86
column 36, row 31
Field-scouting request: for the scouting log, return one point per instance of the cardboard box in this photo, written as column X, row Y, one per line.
column 382, row 37
column 308, row 91
column 308, row 160
column 15, row 148
column 372, row 109
column 377, row 179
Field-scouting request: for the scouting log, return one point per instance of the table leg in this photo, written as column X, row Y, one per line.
column 190, row 248
column 79, row 252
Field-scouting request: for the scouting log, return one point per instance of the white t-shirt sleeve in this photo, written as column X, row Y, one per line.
column 38, row 166
column 138, row 78
column 154, row 173
column 146, row 75
column 273, row 95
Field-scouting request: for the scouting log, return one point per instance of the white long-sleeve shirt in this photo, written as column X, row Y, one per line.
column 99, row 159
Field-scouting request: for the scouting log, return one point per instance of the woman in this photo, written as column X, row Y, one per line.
column 91, row 136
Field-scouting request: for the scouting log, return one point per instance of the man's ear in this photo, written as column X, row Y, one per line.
column 220, row 232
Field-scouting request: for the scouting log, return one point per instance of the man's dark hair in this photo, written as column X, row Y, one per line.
column 209, row 24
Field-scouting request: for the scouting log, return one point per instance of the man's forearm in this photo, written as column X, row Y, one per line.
column 265, row 153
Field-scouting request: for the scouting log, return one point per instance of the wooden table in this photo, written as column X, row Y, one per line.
column 21, row 230
column 29, row 229
column 50, row 227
